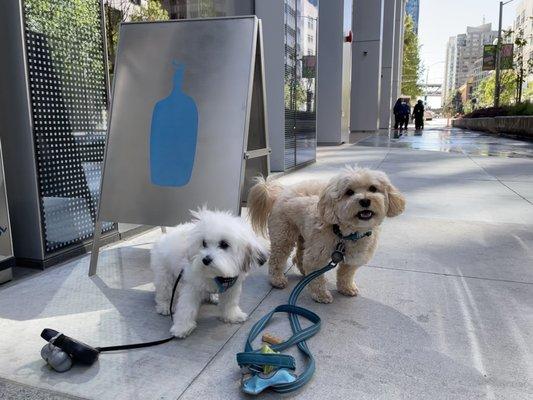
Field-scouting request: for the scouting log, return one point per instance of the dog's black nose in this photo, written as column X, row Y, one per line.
column 207, row 260
column 364, row 202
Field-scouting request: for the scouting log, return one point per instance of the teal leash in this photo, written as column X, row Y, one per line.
column 283, row 379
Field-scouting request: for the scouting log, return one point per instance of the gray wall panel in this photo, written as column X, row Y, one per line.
column 16, row 135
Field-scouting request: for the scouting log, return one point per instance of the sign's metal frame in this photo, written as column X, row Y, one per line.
column 256, row 104
column 7, row 261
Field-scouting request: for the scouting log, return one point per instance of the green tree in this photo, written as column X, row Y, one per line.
column 61, row 19
column 412, row 68
column 72, row 35
column 485, row 91
column 521, row 66
column 298, row 97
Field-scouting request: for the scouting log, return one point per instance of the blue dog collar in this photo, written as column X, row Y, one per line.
column 224, row 284
column 355, row 236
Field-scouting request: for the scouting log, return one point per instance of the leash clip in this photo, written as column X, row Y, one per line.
column 338, row 254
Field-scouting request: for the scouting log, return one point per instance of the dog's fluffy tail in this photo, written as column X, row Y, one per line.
column 260, row 202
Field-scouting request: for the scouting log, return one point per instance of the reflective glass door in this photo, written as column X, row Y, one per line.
column 301, row 37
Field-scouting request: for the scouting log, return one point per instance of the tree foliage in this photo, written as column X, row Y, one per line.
column 521, row 66
column 58, row 20
column 485, row 91
column 412, row 67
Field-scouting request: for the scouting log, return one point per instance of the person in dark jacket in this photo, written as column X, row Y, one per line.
column 397, row 114
column 405, row 114
column 418, row 114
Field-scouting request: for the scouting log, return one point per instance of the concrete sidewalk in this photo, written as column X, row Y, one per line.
column 445, row 310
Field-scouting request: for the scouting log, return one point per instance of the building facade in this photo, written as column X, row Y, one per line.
column 185, row 9
column 321, row 86
column 412, row 8
column 448, row 86
column 478, row 75
column 461, row 53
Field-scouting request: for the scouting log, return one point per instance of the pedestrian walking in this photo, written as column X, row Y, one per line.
column 418, row 115
column 397, row 110
column 405, row 114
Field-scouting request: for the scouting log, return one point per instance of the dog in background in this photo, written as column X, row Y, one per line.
column 214, row 247
column 306, row 215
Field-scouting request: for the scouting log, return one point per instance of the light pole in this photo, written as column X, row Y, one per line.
column 497, row 85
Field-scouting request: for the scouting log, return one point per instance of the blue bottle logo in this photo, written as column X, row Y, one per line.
column 173, row 136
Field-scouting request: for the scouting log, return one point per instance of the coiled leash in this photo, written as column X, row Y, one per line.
column 265, row 367
column 62, row 351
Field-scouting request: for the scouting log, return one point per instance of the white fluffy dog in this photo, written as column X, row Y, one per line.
column 212, row 248
column 313, row 215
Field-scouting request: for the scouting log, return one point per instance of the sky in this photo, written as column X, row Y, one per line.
column 440, row 19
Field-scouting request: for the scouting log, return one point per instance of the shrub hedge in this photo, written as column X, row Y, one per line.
column 525, row 108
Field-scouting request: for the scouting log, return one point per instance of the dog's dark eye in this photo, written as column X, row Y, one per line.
column 349, row 192
column 204, row 244
column 373, row 189
column 223, row 244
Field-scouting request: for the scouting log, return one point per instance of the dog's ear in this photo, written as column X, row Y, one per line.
column 255, row 254
column 396, row 201
column 191, row 249
column 326, row 204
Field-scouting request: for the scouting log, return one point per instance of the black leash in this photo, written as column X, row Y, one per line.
column 61, row 351
column 146, row 344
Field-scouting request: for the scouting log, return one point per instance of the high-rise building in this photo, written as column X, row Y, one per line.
column 461, row 53
column 478, row 75
column 413, row 9
column 448, row 86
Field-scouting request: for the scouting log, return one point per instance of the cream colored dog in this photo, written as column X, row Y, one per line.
column 305, row 215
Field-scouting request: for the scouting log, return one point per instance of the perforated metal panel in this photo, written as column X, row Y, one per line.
column 290, row 82
column 68, row 91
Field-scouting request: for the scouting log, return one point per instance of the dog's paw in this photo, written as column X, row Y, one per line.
column 322, row 296
column 278, row 281
column 162, row 309
column 235, row 316
column 348, row 290
column 182, row 329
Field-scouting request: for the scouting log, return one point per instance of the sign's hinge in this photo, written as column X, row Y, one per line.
column 257, row 153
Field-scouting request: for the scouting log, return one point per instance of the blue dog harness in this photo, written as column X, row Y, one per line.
column 224, row 284
column 281, row 377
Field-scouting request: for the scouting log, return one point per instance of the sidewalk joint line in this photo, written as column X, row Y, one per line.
column 500, row 181
column 450, row 275
column 384, row 158
column 208, row 363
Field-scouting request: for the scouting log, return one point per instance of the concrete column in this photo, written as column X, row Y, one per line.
column 398, row 50
column 366, row 65
column 402, row 34
column 329, row 90
column 387, row 63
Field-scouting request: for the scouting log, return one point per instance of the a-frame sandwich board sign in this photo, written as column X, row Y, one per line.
column 187, row 125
